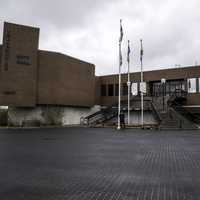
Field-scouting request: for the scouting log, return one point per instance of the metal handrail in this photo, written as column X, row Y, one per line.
column 177, row 93
column 156, row 113
column 179, row 108
column 100, row 116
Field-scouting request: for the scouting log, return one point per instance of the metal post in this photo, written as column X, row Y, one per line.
column 119, row 96
column 163, row 97
column 142, row 98
column 141, row 92
column 129, row 84
column 163, row 80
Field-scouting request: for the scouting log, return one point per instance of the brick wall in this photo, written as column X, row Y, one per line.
column 18, row 74
column 63, row 80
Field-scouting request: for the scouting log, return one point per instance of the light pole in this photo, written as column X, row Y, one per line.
column 163, row 81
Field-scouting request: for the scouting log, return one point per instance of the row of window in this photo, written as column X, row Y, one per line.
column 192, row 85
column 158, row 89
column 113, row 90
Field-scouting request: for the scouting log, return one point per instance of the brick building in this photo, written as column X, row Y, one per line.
column 31, row 78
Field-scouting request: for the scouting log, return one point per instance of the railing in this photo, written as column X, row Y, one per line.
column 177, row 94
column 100, row 116
column 155, row 112
column 177, row 104
column 188, row 115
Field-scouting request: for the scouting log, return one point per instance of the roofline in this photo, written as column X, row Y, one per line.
column 154, row 70
column 55, row 52
column 26, row 26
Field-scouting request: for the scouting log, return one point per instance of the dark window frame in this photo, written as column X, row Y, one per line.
column 104, row 90
column 110, row 90
column 116, row 90
column 125, row 89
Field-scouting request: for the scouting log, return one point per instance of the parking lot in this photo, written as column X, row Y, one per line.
column 84, row 164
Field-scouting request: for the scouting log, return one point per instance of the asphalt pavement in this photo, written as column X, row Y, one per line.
column 99, row 164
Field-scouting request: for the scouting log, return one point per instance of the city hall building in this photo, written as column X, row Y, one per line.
column 50, row 86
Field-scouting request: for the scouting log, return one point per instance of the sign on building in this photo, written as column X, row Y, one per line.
column 134, row 89
column 143, row 87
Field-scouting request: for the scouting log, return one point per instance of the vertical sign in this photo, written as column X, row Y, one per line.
column 7, row 49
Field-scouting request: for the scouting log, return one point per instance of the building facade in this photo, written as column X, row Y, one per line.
column 32, row 81
column 31, row 77
column 186, row 79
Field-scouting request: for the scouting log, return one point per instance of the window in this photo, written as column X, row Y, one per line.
column 9, row 92
column 199, row 84
column 192, row 85
column 103, row 90
column 116, row 89
column 23, row 60
column 167, row 88
column 183, row 86
column 110, row 90
column 125, row 89
column 170, row 87
column 157, row 89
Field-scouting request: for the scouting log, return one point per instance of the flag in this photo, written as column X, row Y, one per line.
column 128, row 53
column 120, row 41
column 120, row 56
column 121, row 32
column 141, row 51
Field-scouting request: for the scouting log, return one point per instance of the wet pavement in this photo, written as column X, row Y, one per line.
column 104, row 164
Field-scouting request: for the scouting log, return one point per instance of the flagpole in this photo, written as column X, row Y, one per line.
column 119, row 96
column 142, row 97
column 128, row 83
column 120, row 64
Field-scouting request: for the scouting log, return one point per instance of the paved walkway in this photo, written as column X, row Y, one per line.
column 84, row 164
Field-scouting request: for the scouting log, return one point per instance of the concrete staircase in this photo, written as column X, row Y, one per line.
column 108, row 116
column 173, row 120
column 135, row 119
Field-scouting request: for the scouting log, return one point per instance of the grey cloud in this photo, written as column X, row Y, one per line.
column 62, row 14
column 89, row 29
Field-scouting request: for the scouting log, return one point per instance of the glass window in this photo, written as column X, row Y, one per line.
column 110, row 90
column 157, row 89
column 168, row 88
column 103, row 90
column 125, row 89
column 116, row 89
column 199, row 85
column 192, row 85
column 183, row 86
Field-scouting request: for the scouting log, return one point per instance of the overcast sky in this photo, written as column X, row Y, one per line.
column 89, row 30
